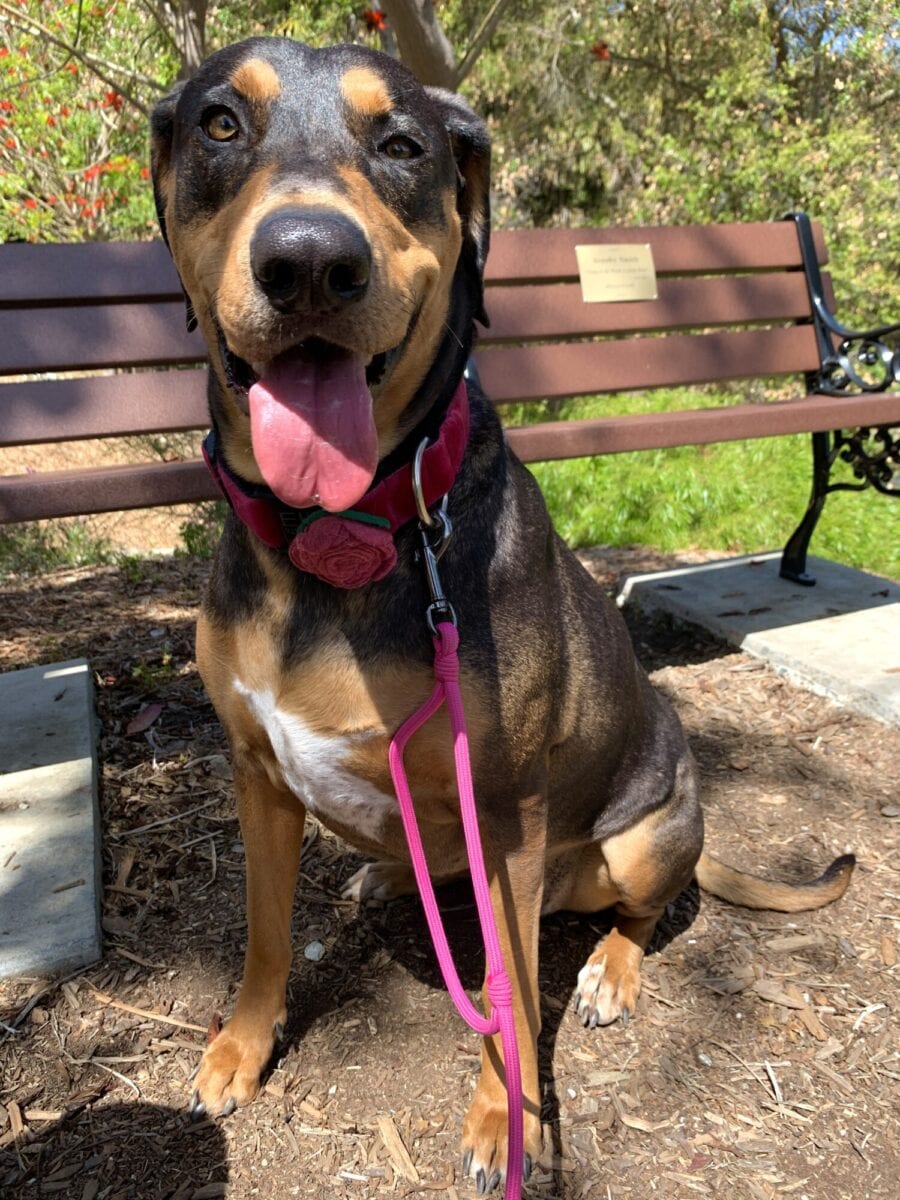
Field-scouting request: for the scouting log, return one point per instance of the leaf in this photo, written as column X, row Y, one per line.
column 144, row 719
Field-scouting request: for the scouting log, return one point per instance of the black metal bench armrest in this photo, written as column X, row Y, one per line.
column 864, row 360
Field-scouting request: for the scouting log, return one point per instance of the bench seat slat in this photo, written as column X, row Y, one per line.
column 68, row 410
column 583, row 368
column 104, row 489
column 109, row 489
column 646, row 431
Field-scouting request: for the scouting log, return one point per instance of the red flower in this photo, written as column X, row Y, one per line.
column 30, row 203
column 145, row 172
column 600, row 51
column 375, row 19
column 112, row 100
column 10, row 143
column 51, row 121
column 7, row 106
column 4, row 50
column 344, row 552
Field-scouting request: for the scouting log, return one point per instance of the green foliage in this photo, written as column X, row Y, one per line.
column 33, row 547
column 202, row 532
column 72, row 146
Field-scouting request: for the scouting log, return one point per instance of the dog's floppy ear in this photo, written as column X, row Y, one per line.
column 472, row 150
column 162, row 126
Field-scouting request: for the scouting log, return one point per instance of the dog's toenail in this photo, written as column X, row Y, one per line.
column 494, row 1181
column 480, row 1182
column 230, row 1106
column 626, row 1015
column 467, row 1162
column 527, row 1168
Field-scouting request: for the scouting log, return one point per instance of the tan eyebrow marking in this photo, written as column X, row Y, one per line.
column 366, row 92
column 256, row 80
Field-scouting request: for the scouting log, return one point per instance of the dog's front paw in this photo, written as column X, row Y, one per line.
column 230, row 1069
column 608, row 988
column 380, row 881
column 485, row 1143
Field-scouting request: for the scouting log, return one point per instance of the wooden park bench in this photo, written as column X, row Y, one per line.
column 735, row 302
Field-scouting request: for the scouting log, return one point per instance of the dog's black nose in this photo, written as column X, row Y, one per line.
column 310, row 259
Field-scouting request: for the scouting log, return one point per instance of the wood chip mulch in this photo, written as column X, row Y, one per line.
column 763, row 1062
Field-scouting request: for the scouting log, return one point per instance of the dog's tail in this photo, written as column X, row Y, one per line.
column 739, row 887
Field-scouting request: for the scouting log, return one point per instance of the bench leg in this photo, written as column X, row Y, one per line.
column 793, row 558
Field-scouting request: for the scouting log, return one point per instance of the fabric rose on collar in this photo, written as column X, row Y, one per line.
column 344, row 551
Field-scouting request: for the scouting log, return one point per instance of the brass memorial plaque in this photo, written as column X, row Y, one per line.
column 616, row 272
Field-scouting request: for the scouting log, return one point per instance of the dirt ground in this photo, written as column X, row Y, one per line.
column 762, row 1062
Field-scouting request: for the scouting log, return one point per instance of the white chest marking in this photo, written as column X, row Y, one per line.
column 313, row 768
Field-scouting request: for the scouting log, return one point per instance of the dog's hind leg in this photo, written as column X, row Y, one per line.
column 380, row 881
column 638, row 872
column 272, row 821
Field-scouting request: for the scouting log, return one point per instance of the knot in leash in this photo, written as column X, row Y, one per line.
column 446, row 660
column 499, row 990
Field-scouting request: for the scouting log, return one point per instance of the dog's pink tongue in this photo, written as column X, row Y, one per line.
column 313, row 432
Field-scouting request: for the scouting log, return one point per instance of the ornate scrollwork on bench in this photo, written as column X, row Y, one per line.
column 873, row 455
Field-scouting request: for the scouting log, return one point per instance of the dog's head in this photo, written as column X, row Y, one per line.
column 328, row 217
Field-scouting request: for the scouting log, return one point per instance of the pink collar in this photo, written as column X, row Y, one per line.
column 352, row 548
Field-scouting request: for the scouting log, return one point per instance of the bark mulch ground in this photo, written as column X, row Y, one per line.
column 762, row 1063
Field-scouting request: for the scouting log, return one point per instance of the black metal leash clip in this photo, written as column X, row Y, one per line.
column 435, row 533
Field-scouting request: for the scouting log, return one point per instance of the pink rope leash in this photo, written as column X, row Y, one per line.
column 498, row 986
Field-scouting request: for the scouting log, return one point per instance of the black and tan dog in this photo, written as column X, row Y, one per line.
column 329, row 220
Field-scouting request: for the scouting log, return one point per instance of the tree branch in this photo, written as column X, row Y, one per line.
column 481, row 39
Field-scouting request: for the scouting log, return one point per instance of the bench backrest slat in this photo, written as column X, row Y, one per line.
column 68, row 410
column 108, row 271
column 558, row 371
column 93, row 337
column 96, row 336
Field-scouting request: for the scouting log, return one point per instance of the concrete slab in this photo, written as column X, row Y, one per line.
column 49, row 821
column 840, row 639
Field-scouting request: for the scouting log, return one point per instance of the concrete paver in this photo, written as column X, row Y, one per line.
column 49, row 821
column 840, row 639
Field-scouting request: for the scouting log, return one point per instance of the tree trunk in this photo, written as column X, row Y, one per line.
column 187, row 27
column 421, row 42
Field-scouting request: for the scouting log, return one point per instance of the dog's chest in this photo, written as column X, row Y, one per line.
column 318, row 768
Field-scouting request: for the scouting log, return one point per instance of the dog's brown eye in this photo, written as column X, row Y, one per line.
column 400, row 147
column 220, row 125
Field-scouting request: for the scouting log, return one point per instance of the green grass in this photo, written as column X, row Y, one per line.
column 739, row 496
